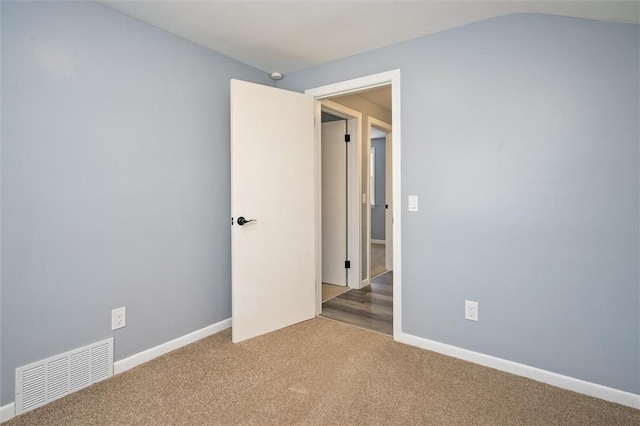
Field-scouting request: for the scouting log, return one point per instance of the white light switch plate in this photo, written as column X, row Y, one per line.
column 413, row 203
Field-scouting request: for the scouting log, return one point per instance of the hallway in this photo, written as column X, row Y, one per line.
column 370, row 307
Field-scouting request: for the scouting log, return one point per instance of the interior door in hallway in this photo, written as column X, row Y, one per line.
column 334, row 202
column 272, row 208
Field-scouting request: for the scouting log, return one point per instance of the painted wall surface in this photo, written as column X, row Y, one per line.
column 115, row 182
column 378, row 211
column 1, row 122
column 520, row 136
column 368, row 109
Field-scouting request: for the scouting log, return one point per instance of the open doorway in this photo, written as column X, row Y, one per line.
column 369, row 301
column 294, row 205
column 381, row 190
column 377, row 184
column 359, row 85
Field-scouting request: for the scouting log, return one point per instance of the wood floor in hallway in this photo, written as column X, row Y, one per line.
column 370, row 307
column 378, row 252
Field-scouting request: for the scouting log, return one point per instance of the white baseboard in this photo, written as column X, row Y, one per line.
column 565, row 382
column 149, row 354
column 378, row 241
column 7, row 412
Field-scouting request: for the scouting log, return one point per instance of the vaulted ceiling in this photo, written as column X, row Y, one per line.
column 290, row 35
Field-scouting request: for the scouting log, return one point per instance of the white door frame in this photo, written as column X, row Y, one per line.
column 388, row 196
column 386, row 128
column 357, row 85
column 354, row 165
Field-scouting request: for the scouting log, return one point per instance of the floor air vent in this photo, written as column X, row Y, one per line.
column 44, row 381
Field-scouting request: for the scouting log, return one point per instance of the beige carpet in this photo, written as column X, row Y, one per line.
column 329, row 291
column 321, row 372
column 377, row 260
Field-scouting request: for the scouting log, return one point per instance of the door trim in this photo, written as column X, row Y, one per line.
column 357, row 85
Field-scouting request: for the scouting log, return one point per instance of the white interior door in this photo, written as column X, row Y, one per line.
column 388, row 225
column 272, row 181
column 334, row 203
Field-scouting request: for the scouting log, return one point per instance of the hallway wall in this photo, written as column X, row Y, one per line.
column 378, row 211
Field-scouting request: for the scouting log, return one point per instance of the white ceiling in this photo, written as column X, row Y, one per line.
column 290, row 35
column 380, row 97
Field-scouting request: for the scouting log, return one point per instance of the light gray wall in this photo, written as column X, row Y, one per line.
column 378, row 212
column 520, row 136
column 115, row 182
column 1, row 91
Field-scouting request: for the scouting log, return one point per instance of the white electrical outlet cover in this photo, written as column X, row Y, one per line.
column 118, row 318
column 471, row 310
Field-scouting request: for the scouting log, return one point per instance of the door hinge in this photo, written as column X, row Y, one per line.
column 347, row 138
column 347, row 264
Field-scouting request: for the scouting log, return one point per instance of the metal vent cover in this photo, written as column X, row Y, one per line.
column 44, row 381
